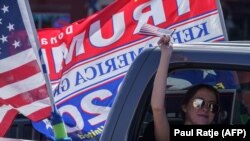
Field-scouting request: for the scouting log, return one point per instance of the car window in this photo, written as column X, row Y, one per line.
column 233, row 87
column 185, row 78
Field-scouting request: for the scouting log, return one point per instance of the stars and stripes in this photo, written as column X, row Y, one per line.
column 22, row 85
column 151, row 30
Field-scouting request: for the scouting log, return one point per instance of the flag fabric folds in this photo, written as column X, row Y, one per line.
column 88, row 59
column 22, row 84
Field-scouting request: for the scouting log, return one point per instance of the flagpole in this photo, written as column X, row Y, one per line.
column 57, row 120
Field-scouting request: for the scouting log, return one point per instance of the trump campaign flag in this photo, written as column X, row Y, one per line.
column 88, row 59
column 22, row 84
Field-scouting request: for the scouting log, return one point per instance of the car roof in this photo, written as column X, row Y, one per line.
column 230, row 44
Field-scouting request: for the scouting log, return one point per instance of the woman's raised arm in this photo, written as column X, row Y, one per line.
column 161, row 124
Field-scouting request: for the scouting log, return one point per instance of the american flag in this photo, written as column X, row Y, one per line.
column 152, row 30
column 22, row 84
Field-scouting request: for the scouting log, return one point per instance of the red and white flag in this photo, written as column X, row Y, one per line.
column 152, row 30
column 22, row 84
column 88, row 59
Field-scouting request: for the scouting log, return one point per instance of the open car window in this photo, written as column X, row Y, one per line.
column 233, row 87
column 179, row 81
column 234, row 96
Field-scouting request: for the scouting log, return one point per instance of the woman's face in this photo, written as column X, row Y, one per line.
column 199, row 110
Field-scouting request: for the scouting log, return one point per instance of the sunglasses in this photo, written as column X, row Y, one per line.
column 199, row 103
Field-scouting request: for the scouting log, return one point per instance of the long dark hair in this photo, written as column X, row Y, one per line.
column 193, row 90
